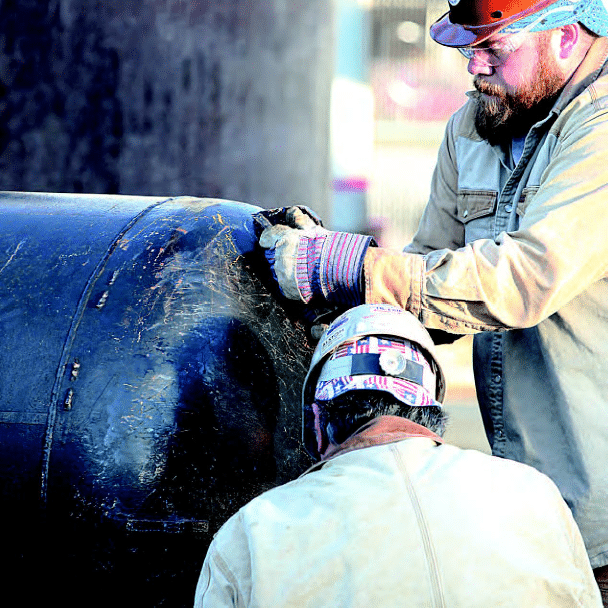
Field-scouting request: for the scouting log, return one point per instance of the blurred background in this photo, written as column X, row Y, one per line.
column 337, row 104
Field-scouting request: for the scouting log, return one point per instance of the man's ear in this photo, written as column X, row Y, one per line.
column 566, row 39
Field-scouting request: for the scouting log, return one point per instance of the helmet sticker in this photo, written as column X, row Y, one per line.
column 393, row 362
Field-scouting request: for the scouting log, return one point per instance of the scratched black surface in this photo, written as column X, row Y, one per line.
column 150, row 387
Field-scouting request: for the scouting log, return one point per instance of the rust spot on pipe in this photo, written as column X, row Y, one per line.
column 69, row 399
column 102, row 300
column 75, row 370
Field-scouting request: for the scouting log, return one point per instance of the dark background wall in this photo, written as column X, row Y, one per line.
column 225, row 98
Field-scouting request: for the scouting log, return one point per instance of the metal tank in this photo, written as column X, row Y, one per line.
column 149, row 386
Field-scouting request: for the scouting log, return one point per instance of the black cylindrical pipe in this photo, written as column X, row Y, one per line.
column 149, row 387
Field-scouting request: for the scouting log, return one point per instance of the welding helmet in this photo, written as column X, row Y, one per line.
column 470, row 22
column 372, row 347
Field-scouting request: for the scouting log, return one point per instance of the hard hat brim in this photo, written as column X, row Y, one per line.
column 454, row 35
column 446, row 32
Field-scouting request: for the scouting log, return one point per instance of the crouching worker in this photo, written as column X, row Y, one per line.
column 391, row 516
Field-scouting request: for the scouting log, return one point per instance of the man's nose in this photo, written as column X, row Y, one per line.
column 477, row 65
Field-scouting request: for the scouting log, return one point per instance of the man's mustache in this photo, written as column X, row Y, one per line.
column 489, row 88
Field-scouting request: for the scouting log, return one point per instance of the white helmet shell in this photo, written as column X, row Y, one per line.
column 371, row 320
column 367, row 320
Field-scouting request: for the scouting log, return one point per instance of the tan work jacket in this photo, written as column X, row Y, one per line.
column 406, row 522
column 519, row 252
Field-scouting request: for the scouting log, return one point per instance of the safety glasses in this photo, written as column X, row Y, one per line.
column 496, row 52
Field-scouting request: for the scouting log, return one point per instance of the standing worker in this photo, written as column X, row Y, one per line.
column 391, row 516
column 510, row 246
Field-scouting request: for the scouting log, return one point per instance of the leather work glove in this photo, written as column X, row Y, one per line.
column 309, row 261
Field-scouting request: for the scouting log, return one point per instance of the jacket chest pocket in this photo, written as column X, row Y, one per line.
column 476, row 209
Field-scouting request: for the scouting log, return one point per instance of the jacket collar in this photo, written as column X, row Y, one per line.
column 593, row 65
column 379, row 431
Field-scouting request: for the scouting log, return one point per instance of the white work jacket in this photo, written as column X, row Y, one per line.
column 405, row 523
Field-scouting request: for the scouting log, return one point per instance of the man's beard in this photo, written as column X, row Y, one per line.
column 500, row 116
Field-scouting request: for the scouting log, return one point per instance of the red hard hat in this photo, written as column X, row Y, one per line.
column 470, row 22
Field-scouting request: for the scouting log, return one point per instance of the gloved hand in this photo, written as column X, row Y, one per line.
column 309, row 261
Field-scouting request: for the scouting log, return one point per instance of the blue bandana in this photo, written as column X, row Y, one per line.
column 593, row 14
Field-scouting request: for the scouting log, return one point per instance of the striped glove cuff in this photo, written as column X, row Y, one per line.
column 330, row 265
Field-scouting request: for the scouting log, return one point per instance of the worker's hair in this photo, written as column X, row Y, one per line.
column 346, row 414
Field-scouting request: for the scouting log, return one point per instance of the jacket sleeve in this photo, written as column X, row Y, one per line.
column 522, row 277
column 216, row 587
column 225, row 578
